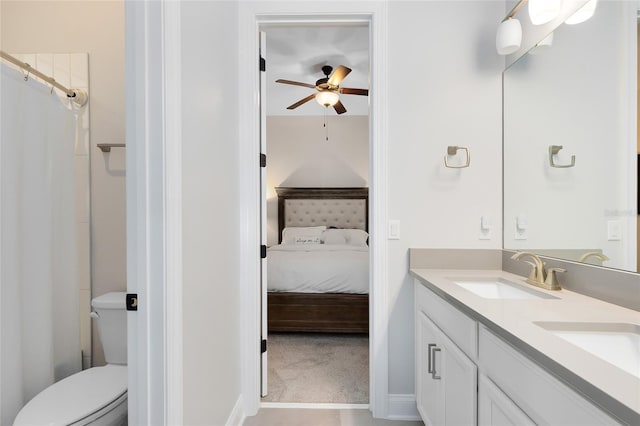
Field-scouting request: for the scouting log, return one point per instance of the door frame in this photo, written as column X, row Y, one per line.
column 251, row 16
column 153, row 213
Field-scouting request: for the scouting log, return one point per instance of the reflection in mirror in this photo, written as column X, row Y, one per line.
column 570, row 146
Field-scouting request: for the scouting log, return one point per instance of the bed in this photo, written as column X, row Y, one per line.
column 318, row 282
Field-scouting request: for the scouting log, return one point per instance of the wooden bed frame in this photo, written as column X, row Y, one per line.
column 318, row 312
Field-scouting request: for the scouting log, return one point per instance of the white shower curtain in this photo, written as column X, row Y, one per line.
column 39, row 318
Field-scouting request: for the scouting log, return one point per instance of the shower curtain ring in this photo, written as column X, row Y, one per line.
column 26, row 75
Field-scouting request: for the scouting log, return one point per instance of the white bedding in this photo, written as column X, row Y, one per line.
column 318, row 268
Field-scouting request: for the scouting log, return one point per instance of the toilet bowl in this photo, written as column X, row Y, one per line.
column 96, row 396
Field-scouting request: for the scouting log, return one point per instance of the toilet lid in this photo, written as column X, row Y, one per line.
column 75, row 397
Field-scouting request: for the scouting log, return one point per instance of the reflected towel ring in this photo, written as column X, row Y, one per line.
column 554, row 150
column 453, row 150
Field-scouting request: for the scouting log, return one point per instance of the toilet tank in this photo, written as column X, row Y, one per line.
column 112, row 326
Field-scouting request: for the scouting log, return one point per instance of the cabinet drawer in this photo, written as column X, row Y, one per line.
column 496, row 409
column 461, row 329
column 541, row 396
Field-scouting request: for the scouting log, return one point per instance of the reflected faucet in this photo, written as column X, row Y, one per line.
column 538, row 275
column 595, row 254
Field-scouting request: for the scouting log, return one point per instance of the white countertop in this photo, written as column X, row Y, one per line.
column 515, row 319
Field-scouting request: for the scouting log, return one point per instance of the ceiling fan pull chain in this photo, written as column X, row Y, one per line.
column 326, row 127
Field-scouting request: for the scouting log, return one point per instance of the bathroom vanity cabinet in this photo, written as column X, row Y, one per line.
column 446, row 383
column 467, row 374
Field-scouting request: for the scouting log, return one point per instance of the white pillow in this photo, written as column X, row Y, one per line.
column 289, row 234
column 334, row 236
column 356, row 237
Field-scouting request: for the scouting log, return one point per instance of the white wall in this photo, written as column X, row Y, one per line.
column 445, row 89
column 298, row 155
column 96, row 28
column 211, row 232
column 579, row 94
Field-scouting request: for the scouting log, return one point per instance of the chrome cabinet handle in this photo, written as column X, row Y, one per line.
column 430, row 347
column 433, row 372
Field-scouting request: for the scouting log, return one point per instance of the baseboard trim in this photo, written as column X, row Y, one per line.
column 314, row 405
column 403, row 407
column 237, row 416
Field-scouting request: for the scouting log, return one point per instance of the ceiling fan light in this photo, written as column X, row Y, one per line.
column 543, row 11
column 327, row 98
column 582, row 14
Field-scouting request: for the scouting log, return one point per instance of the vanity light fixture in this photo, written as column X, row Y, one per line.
column 327, row 98
column 582, row 14
column 543, row 11
column 509, row 36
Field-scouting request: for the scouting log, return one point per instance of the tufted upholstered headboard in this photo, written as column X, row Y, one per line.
column 339, row 207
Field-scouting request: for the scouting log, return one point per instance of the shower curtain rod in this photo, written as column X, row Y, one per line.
column 76, row 95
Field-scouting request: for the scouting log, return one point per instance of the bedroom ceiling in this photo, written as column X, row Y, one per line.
column 298, row 53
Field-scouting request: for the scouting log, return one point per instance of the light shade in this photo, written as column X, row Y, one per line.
column 582, row 14
column 327, row 98
column 508, row 37
column 543, row 11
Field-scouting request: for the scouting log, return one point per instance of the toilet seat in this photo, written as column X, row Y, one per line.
column 77, row 397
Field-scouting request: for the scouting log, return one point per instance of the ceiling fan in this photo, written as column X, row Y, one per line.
column 328, row 89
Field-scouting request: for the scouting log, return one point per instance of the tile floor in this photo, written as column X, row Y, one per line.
column 320, row 417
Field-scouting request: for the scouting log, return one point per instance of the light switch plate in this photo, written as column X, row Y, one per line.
column 485, row 228
column 614, row 230
column 520, row 231
column 394, row 229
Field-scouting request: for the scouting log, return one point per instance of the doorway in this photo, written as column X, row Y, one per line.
column 314, row 153
column 251, row 18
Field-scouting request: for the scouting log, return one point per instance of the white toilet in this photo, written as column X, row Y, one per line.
column 97, row 396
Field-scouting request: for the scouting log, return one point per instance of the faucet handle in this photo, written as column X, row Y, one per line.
column 552, row 280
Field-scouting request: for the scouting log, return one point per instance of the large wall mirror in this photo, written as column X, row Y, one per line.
column 570, row 144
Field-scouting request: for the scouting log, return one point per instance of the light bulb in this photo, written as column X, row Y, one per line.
column 582, row 14
column 327, row 98
column 543, row 11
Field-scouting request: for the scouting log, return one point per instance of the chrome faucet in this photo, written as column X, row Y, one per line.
column 539, row 276
column 597, row 255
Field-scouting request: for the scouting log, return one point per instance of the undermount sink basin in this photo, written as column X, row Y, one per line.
column 616, row 343
column 499, row 288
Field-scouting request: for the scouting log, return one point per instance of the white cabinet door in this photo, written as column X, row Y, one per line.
column 428, row 391
column 496, row 409
column 446, row 386
column 459, row 378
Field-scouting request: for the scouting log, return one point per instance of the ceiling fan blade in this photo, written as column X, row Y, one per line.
column 350, row 91
column 296, row 83
column 301, row 101
column 340, row 109
column 338, row 75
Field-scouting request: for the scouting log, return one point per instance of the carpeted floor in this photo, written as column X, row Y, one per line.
column 318, row 368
